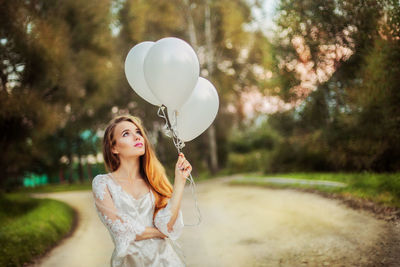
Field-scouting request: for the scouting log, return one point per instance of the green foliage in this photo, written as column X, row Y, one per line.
column 58, row 68
column 254, row 161
column 50, row 188
column 67, row 57
column 350, row 120
column 62, row 74
column 249, row 148
column 249, row 140
column 296, row 157
column 29, row 227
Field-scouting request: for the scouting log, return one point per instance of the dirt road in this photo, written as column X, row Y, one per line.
column 248, row 226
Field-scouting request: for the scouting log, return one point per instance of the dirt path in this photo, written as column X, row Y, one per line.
column 89, row 245
column 249, row 226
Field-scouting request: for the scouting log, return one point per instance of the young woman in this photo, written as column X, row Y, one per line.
column 135, row 200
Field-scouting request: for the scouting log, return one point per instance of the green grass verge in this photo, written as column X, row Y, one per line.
column 29, row 227
column 382, row 188
column 49, row 188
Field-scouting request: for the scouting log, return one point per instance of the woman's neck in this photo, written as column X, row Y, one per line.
column 129, row 169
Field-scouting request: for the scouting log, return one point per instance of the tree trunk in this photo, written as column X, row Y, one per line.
column 89, row 171
column 61, row 176
column 80, row 167
column 70, row 168
column 210, row 67
column 191, row 28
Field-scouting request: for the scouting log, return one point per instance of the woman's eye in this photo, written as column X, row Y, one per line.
column 139, row 132
column 124, row 133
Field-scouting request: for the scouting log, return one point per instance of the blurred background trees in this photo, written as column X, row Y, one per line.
column 329, row 74
column 57, row 71
column 340, row 59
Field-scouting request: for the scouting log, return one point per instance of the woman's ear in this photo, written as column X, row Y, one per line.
column 114, row 151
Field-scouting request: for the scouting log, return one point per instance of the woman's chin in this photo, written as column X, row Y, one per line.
column 136, row 154
column 140, row 152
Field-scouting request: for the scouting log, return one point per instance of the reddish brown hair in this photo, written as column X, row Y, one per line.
column 151, row 168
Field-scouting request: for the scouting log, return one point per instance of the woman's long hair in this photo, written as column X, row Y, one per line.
column 151, row 169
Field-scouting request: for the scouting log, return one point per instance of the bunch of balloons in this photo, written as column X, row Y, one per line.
column 166, row 74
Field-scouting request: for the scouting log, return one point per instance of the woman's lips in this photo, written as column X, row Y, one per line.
column 139, row 145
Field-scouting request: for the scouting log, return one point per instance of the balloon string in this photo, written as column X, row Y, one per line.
column 171, row 131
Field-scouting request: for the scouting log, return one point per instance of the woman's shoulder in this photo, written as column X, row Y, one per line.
column 99, row 184
column 101, row 178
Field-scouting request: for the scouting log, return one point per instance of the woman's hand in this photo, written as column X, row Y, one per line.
column 182, row 169
column 161, row 235
column 150, row 232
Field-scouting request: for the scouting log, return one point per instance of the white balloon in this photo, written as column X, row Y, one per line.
column 197, row 114
column 171, row 69
column 134, row 72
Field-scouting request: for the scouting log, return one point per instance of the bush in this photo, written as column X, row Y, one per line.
column 254, row 161
column 288, row 157
column 30, row 226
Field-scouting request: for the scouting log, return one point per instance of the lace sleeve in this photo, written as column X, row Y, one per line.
column 162, row 218
column 121, row 226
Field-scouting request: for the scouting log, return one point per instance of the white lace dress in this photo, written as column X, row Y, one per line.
column 125, row 217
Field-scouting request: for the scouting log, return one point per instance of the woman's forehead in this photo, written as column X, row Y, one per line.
column 123, row 125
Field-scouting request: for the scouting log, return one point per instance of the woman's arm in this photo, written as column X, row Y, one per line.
column 150, row 232
column 169, row 219
column 182, row 171
column 175, row 202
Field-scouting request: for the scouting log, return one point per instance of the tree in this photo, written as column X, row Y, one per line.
column 215, row 30
column 57, row 70
column 337, row 58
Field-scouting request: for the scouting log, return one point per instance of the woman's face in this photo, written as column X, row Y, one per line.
column 129, row 140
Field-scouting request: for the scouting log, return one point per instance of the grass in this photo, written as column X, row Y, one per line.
column 382, row 188
column 49, row 188
column 29, row 227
